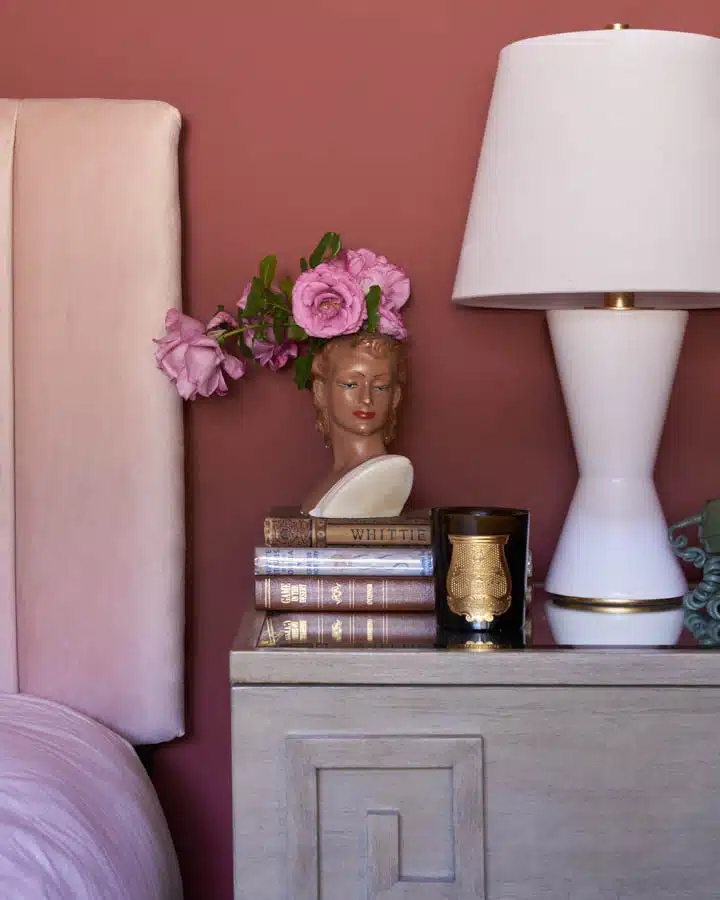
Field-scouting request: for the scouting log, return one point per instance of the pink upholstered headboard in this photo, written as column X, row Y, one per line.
column 91, row 448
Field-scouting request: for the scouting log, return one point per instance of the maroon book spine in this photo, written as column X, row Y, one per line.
column 321, row 593
column 347, row 629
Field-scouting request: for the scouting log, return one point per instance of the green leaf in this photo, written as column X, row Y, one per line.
column 331, row 242
column 317, row 255
column 279, row 328
column 296, row 333
column 256, row 299
column 286, row 286
column 303, row 264
column 303, row 364
column 280, row 299
column 334, row 243
column 267, row 270
column 373, row 308
column 253, row 306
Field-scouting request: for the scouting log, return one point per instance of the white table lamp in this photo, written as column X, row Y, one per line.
column 597, row 197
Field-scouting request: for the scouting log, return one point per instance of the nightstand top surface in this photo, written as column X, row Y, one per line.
column 692, row 661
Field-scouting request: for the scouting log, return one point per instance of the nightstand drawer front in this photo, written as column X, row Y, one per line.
column 383, row 817
column 514, row 793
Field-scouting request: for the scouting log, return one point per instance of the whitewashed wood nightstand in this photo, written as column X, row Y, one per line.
column 429, row 774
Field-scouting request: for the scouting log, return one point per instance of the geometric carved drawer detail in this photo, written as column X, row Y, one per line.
column 383, row 817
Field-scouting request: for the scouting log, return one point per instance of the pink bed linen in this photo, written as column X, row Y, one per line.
column 79, row 819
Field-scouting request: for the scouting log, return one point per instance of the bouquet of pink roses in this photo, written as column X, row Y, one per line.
column 337, row 292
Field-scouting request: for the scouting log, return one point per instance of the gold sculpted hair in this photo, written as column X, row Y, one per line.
column 377, row 345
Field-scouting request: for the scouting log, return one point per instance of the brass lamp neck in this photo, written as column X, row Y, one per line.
column 619, row 300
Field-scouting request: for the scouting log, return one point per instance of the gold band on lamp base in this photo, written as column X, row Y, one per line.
column 600, row 604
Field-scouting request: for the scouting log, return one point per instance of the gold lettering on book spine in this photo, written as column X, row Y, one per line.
column 336, row 594
column 478, row 582
column 387, row 536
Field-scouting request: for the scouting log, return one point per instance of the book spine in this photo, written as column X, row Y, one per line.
column 318, row 532
column 296, row 629
column 324, row 593
column 290, row 532
column 365, row 562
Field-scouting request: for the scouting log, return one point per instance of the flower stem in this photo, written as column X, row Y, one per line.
column 224, row 335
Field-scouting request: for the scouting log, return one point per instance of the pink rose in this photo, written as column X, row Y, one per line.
column 243, row 298
column 268, row 353
column 192, row 359
column 390, row 322
column 370, row 269
column 327, row 301
column 273, row 355
column 221, row 318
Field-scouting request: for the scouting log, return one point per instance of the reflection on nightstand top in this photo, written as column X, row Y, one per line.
column 561, row 646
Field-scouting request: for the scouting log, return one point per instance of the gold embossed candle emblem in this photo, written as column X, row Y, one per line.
column 478, row 581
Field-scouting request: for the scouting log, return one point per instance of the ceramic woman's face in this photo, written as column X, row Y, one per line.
column 360, row 390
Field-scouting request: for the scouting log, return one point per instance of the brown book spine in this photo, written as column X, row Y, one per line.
column 312, row 531
column 296, row 629
column 350, row 594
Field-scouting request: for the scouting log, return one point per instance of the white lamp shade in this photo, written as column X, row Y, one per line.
column 599, row 172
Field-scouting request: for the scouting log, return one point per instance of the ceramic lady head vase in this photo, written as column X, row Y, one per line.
column 339, row 323
column 357, row 387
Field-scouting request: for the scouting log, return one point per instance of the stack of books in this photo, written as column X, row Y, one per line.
column 341, row 582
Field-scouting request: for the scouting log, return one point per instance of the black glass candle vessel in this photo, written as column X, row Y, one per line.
column 481, row 567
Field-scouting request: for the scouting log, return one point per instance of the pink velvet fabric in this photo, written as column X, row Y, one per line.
column 99, row 520
column 79, row 819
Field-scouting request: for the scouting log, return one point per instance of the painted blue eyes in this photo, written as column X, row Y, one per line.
column 350, row 385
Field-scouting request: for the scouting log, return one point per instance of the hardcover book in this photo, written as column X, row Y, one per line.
column 291, row 528
column 360, row 562
column 297, row 629
column 344, row 594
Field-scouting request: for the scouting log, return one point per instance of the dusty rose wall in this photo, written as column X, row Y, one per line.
column 366, row 118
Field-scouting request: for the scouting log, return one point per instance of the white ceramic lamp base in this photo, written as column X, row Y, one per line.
column 616, row 368
column 585, row 627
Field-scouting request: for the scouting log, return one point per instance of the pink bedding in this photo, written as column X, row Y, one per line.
column 79, row 819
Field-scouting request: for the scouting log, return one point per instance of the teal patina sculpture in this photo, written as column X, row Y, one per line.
column 706, row 594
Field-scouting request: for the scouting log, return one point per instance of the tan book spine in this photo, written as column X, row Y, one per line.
column 323, row 593
column 296, row 629
column 312, row 531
